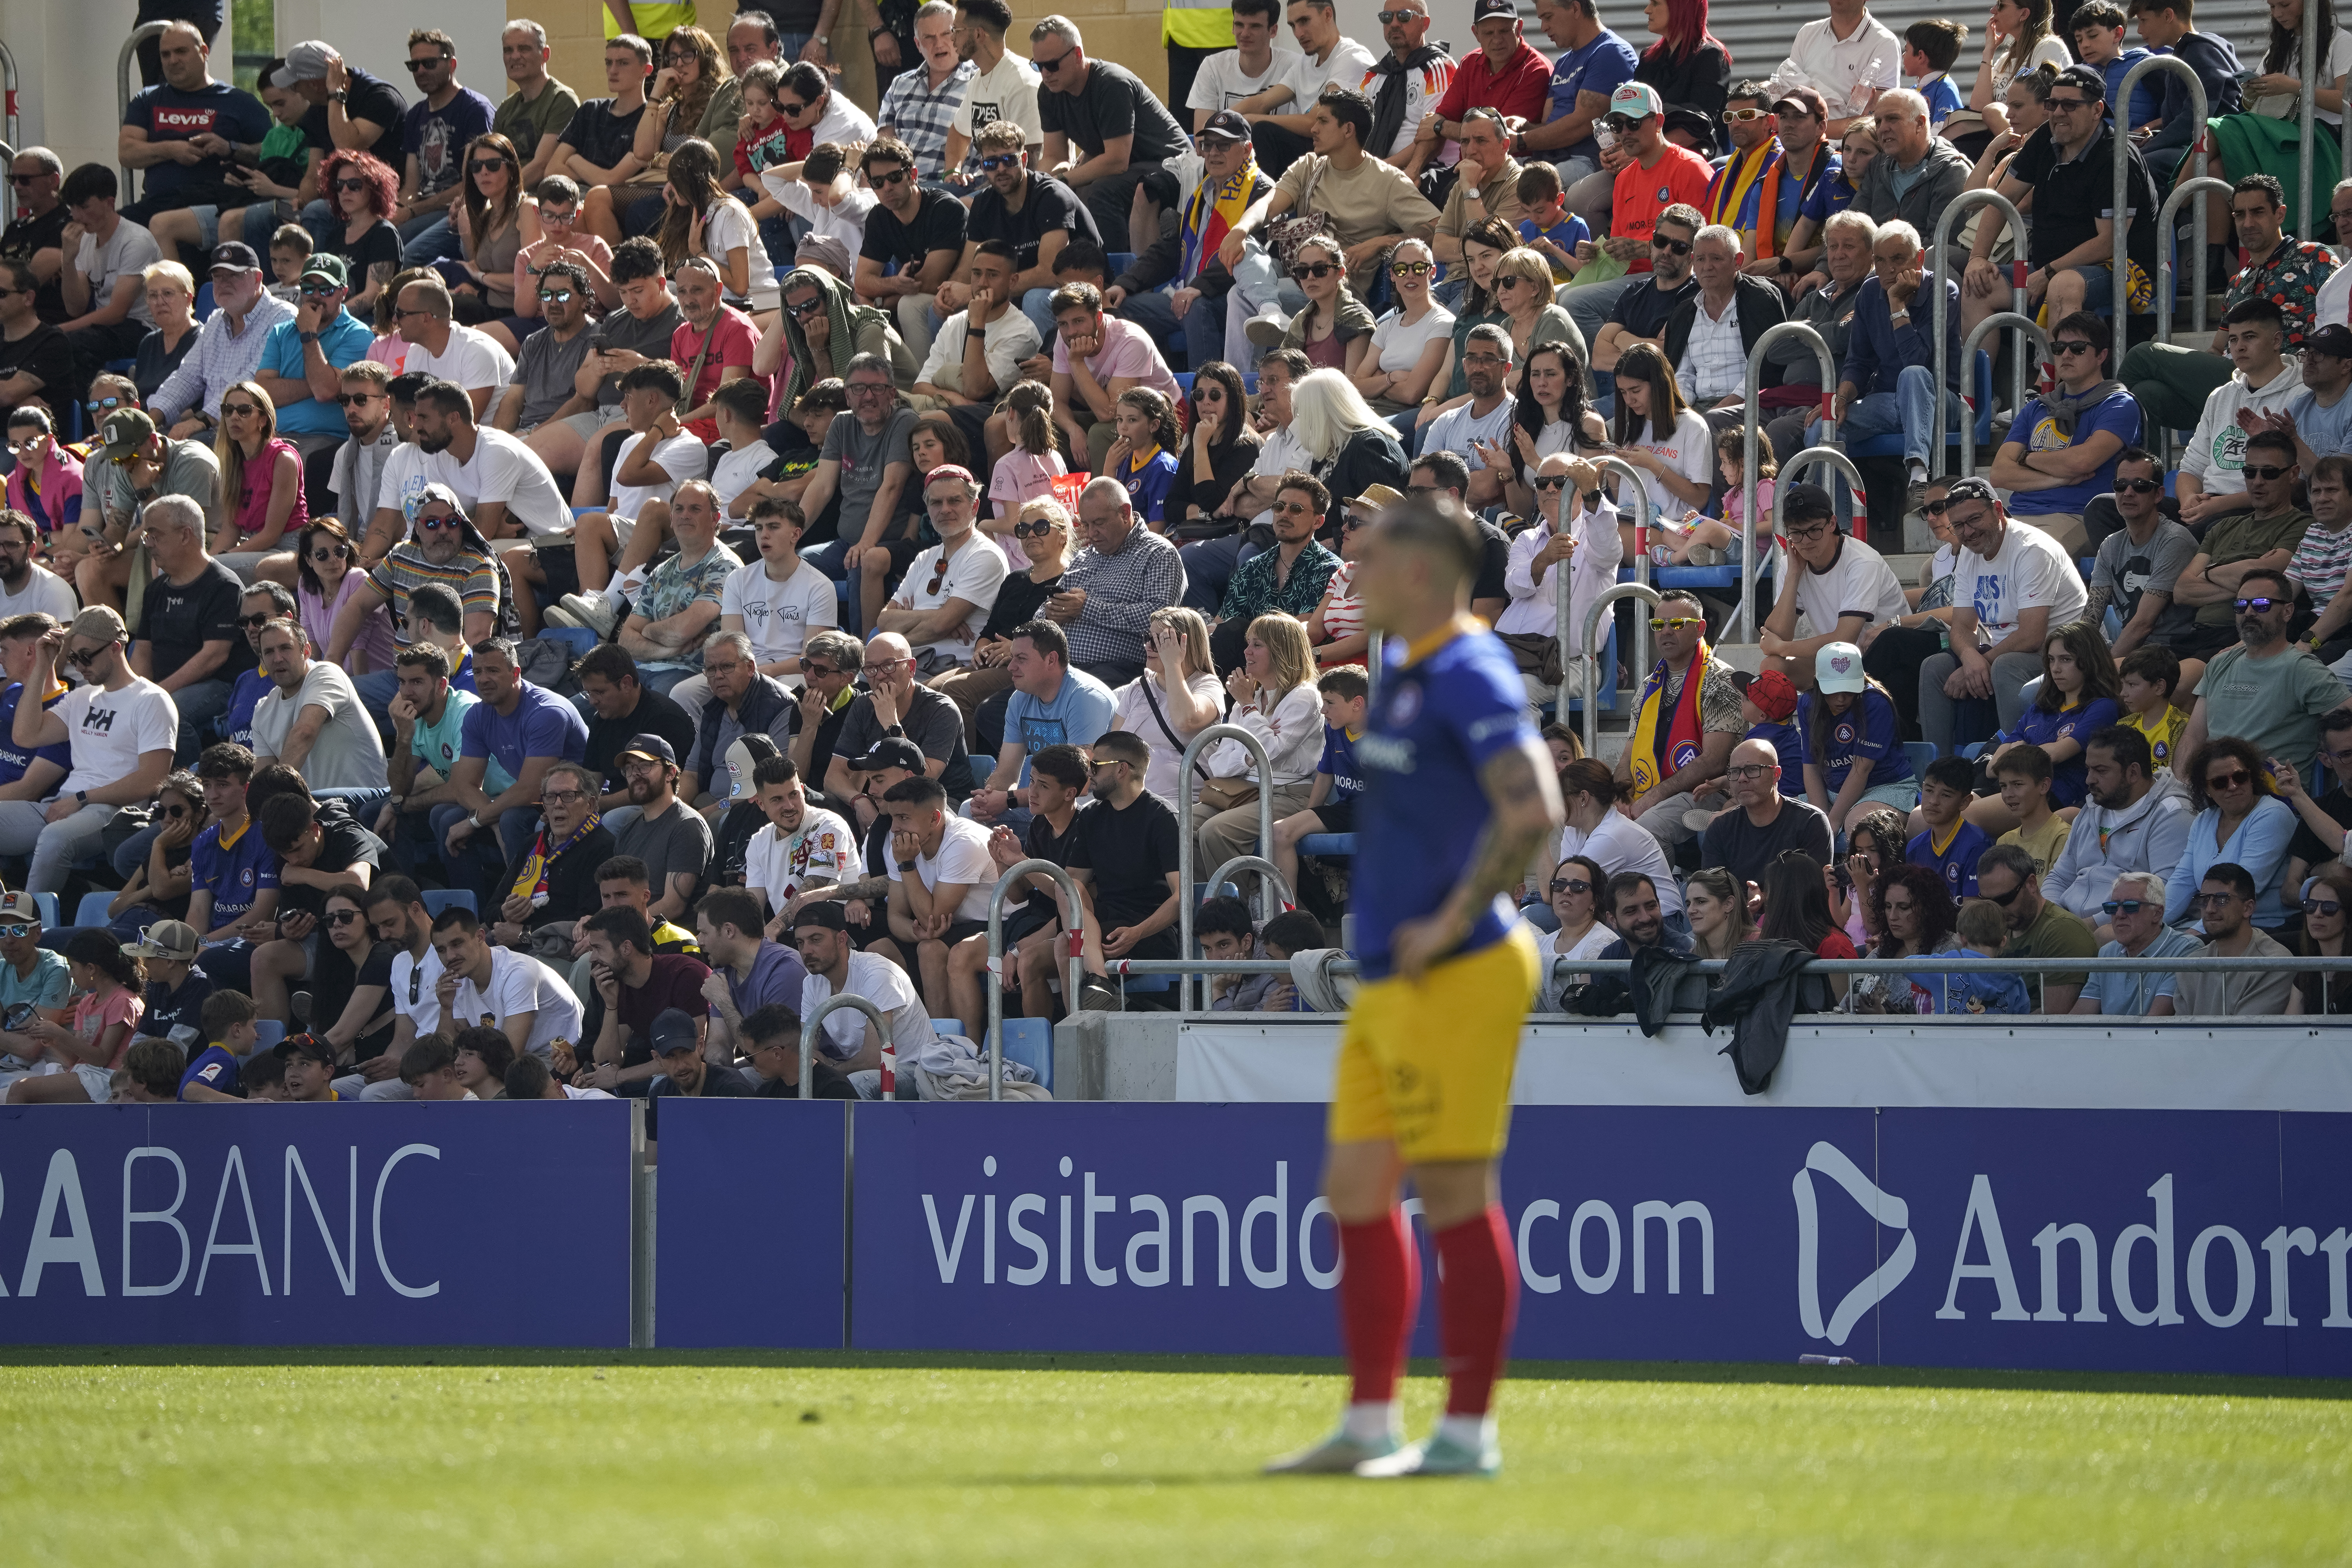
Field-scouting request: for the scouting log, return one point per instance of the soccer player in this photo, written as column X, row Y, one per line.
column 1450, row 762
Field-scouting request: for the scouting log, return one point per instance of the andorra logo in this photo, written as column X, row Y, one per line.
column 1883, row 1206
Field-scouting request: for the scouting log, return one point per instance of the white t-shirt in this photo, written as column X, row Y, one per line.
column 407, row 470
column 727, row 227
column 1220, row 81
column 824, row 852
column 1453, row 431
column 521, row 984
column 43, row 590
column 732, row 474
column 425, row 1013
column 683, row 456
column 2287, row 105
column 975, row 571
column 1689, row 451
column 1306, row 78
column 1133, row 714
column 843, row 221
column 131, row 251
column 1007, row 340
column 1548, row 948
column 1279, row 455
column 778, row 616
column 1400, row 345
column 843, row 1034
column 110, row 729
column 1008, row 92
column 1622, row 844
column 962, row 857
column 506, row 472
column 473, row 359
column 348, row 755
column 1859, row 579
column 2030, row 571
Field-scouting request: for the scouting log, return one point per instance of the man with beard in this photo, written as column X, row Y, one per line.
column 2136, row 821
column 803, row 847
column 441, row 548
column 359, row 461
column 507, row 492
column 26, row 586
column 660, row 829
column 440, row 348
column 1231, row 182
column 2267, row 689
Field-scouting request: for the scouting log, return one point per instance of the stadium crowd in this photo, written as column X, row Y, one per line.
column 581, row 582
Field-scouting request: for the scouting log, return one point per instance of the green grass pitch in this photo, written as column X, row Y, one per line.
column 238, row 1458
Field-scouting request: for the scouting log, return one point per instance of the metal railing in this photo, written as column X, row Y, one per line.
column 1074, row 933
column 10, row 82
column 1744, row 623
column 817, row 1015
column 1184, row 772
column 1946, row 222
column 122, row 63
column 1269, row 877
column 1830, row 457
column 2120, row 295
column 2028, row 333
column 1591, row 650
column 1645, row 518
column 2159, row 440
column 2311, row 58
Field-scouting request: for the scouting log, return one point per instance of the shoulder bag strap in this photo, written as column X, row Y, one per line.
column 1162, row 719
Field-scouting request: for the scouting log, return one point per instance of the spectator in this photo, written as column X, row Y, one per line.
column 1736, row 198
column 1589, row 548
column 2022, row 583
column 314, row 720
column 1231, row 183
column 525, row 729
column 324, row 864
column 672, row 617
column 2241, row 823
column 2039, row 928
column 2268, row 690
column 552, row 885
column 1506, row 75
column 772, row 1040
column 2238, row 544
column 1888, row 380
column 1914, row 914
column 534, row 114
column 803, row 847
column 959, row 578
column 2230, row 906
column 939, row 885
column 1796, row 908
column 1370, row 204
column 598, row 147
column 1331, row 802
column 1655, row 432
column 1598, row 830
column 1123, row 855
column 1031, row 212
column 37, row 362
column 2136, row 819
column 2319, row 837
column 866, row 463
column 1747, row 839
column 830, row 668
column 226, row 1024
column 1575, row 888
column 1636, row 913
column 84, row 1050
column 1591, row 64
column 428, row 721
column 640, row 332
column 749, row 969
column 1951, row 845
column 2165, row 27
column 1642, row 310
column 1685, row 721
column 35, row 976
column 741, row 702
column 544, row 387
column 1655, row 176
column 1486, row 181
column 498, row 986
column 1287, row 580
column 46, row 469
column 357, row 474
column 480, row 1059
column 2322, row 416
column 2019, row 810
column 1276, row 700
column 2019, row 40
column 441, row 348
column 1279, row 114
column 2097, row 29
column 915, row 229
column 1846, row 590
column 1484, row 419
column 36, row 234
column 26, row 773
column 2139, row 564
column 1854, row 757
column 1052, row 704
column 636, row 987
column 2135, row 912
column 2150, row 677
column 1849, row 56
column 435, row 135
column 1209, row 560
column 188, row 623
column 1916, row 173
column 1174, row 699
column 2324, row 902
column 102, row 281
column 671, row 838
column 1689, row 68
column 895, row 706
column 1110, row 590
column 834, row 967
column 1106, row 133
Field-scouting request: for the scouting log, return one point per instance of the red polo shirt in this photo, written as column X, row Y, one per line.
column 1521, row 87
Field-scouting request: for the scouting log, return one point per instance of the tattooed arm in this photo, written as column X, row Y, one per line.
column 1524, row 795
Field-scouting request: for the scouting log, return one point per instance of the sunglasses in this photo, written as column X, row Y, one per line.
column 351, row 184
column 803, row 311
column 332, row 552
column 879, row 181
column 784, row 108
column 175, row 811
column 1002, row 160
column 2139, row 487
column 1676, row 623
column 2068, row 105
column 1742, row 116
column 342, row 917
column 434, row 524
column 2236, row 780
column 1679, row 247
column 2127, row 906
column 1619, row 123
column 415, row 65
column 1032, row 530
column 1046, row 66
column 17, row 931
column 250, row 622
column 2070, row 346
column 2257, row 606
column 2327, row 906
column 1316, row 269
column 237, row 410
column 1385, row 19
column 354, row 399
column 21, row 181
column 1934, row 508
column 822, row 671
column 83, row 658
column 2005, row 900
column 1411, row 268
column 938, row 575
column 99, row 405
column 1562, row 885
column 2268, row 470
column 319, row 290
column 1292, row 509
column 1551, row 481
column 554, row 296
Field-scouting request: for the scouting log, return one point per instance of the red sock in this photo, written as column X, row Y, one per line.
column 1477, row 1298
column 1379, row 1287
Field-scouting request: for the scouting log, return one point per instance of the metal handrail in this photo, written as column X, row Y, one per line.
column 9, row 81
column 138, row 35
column 1268, row 873
column 2028, row 332
column 2310, row 60
column 816, row 1017
column 1591, row 650
column 1945, row 222
column 2159, row 440
column 1192, row 750
column 2147, row 963
column 2120, row 294
column 1018, row 874
column 1744, row 623
column 1645, row 518
column 8, row 196
column 1832, row 457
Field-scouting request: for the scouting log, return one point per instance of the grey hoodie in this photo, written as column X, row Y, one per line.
column 2147, row 837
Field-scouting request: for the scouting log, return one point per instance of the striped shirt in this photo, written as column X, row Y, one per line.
column 469, row 573
column 922, row 116
column 2322, row 558
column 220, row 360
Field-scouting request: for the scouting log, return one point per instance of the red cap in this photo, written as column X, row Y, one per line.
column 1774, row 694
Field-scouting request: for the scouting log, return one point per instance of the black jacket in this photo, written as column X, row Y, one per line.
column 1760, row 306
column 571, row 890
column 1761, row 989
column 1370, row 456
column 1156, row 265
column 767, row 698
column 1662, row 982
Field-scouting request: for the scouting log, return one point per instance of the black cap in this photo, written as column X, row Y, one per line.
column 1485, row 9
column 2333, row 340
column 673, row 1031
column 1225, row 125
column 891, row 752
column 653, row 748
column 1805, row 500
column 828, row 913
column 2088, row 78
column 1691, row 123
column 236, row 254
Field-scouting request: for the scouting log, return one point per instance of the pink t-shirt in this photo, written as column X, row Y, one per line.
column 253, row 516
column 1733, row 506
column 1127, row 353
column 56, row 500
column 1021, row 477
column 391, row 350
column 376, row 639
column 93, row 1015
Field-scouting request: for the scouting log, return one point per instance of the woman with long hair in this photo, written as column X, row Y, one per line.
column 44, row 486
column 1409, row 344
column 1875, row 839
column 2241, row 820
column 1143, row 455
column 2016, row 40
column 936, row 439
column 1854, row 742
column 1717, row 903
column 2266, row 137
column 91, row 1040
column 2326, row 913
column 701, row 217
column 1549, row 415
column 1690, row 67
column 1043, row 531
column 677, row 99
column 1656, row 433
column 1334, row 331
column 261, row 481
column 2078, row 699
column 360, row 191
column 350, row 980
column 1274, row 698
column 172, row 300
column 324, row 565
column 1220, row 450
column 1596, row 828
column 1914, row 910
column 1575, row 890
column 1351, row 447
column 1797, row 908
column 1484, row 246
column 488, row 218
column 1173, row 699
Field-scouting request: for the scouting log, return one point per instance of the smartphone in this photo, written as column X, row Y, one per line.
column 17, row 1018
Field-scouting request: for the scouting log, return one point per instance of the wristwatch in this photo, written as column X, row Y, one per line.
column 81, row 797
column 308, row 337
column 339, row 96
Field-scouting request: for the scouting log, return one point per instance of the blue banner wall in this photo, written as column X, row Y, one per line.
column 348, row 1225
column 751, row 1201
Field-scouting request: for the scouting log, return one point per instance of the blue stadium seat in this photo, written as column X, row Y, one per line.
column 1183, row 381
column 51, row 912
column 1921, row 753
column 1328, row 843
column 439, row 898
column 580, row 638
column 203, row 307
column 266, row 1032
column 91, row 910
column 1118, row 261
column 1981, row 395
column 1030, row 1042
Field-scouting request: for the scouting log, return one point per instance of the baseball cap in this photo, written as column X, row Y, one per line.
column 234, row 255
column 329, row 267
column 306, row 62
column 1225, row 125
column 827, row 913
column 305, row 1044
column 2334, row 340
column 742, row 758
column 1838, row 668
column 1806, row 98
column 1774, row 694
column 891, row 752
column 21, row 909
column 1636, row 100
column 2088, row 78
column 165, row 938
column 672, row 1031
column 100, row 623
column 1805, row 500
column 124, row 432
column 653, row 748
column 1485, row 9
column 1693, row 124
column 1972, row 489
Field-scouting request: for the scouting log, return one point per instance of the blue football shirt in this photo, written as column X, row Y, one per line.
column 215, row 1068
column 1957, row 861
column 234, row 870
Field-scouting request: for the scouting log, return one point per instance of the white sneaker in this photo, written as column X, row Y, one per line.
column 1266, row 331
column 595, row 611
column 1698, row 819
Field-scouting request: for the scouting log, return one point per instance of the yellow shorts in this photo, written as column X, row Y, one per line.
column 1426, row 1065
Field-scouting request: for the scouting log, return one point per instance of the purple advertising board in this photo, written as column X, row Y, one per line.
column 261, row 1225
column 751, row 1209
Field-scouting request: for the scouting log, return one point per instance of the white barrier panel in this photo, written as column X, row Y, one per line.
column 2143, row 1066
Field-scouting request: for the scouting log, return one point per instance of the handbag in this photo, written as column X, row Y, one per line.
column 1225, row 795
column 1537, row 654
column 1283, row 236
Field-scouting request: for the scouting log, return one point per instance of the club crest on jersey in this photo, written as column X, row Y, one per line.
column 1844, row 733
column 246, row 876
column 1684, row 754
column 1405, row 706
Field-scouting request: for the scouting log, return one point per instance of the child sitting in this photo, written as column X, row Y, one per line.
column 1292, row 932
column 289, row 247
column 148, row 1073
column 1222, row 927
column 1706, row 541
column 1331, row 802
column 2150, row 675
column 214, row 1077
column 1950, row 844
column 263, row 1077
column 823, row 192
column 1929, row 50
column 2023, row 774
column 1983, row 932
column 1549, row 229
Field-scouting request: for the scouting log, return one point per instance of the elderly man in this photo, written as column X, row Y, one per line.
column 679, row 605
column 1105, row 132
column 1487, row 179
column 312, row 720
column 741, row 702
column 2062, row 449
column 1107, row 594
column 2135, row 822
column 1685, row 721
column 534, row 114
column 1711, row 334
column 1370, row 205
column 1188, row 258
column 441, row 547
column 1888, row 380
column 1279, row 114
column 187, row 624
column 121, row 728
column 1916, row 173
column 2012, row 587
column 897, row 705
column 1576, row 531
column 2038, row 928
column 1825, row 302
column 1052, row 705
column 1764, row 823
column 2226, row 901
column 1848, row 56
column 918, row 108
column 1652, row 176
column 1507, row 76
column 2134, row 910
column 230, row 346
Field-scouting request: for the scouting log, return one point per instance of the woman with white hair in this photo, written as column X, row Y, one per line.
column 1350, row 447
